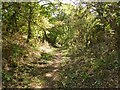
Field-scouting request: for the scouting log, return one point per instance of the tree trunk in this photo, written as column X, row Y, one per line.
column 29, row 24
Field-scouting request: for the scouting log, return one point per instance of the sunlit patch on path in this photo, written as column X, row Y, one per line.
column 46, row 48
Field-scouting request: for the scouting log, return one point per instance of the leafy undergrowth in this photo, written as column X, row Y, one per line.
column 90, row 73
column 83, row 77
column 26, row 66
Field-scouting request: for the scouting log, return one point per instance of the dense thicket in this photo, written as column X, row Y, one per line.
column 88, row 32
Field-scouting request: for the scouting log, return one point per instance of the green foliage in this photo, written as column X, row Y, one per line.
column 17, row 51
column 46, row 56
column 7, row 76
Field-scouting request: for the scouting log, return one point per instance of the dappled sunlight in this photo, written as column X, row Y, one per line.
column 51, row 62
column 36, row 85
column 42, row 66
column 55, row 70
column 56, row 65
column 53, row 74
column 49, row 74
column 46, row 48
column 59, row 44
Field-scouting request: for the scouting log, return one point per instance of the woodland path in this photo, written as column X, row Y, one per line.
column 47, row 73
column 52, row 71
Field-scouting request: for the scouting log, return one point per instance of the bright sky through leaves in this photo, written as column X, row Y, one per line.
column 73, row 2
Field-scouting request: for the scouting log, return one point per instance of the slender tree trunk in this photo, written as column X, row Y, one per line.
column 15, row 22
column 29, row 24
column 44, row 36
